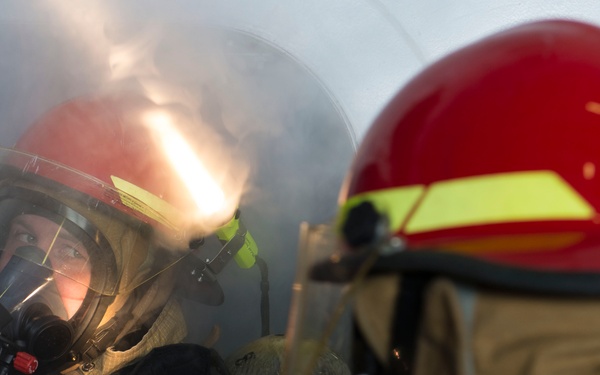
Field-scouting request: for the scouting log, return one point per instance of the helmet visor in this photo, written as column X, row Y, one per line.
column 320, row 321
column 89, row 236
column 75, row 255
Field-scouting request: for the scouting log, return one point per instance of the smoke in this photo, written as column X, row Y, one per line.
column 258, row 113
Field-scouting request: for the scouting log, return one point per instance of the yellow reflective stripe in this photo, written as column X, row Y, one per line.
column 396, row 203
column 147, row 203
column 498, row 198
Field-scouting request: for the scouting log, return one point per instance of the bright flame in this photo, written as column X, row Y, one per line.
column 205, row 192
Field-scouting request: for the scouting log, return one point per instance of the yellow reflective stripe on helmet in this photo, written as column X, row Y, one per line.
column 498, row 198
column 395, row 203
column 146, row 203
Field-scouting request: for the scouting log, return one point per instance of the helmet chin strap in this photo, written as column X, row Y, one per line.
column 106, row 334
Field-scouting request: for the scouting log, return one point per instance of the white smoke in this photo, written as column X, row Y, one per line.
column 256, row 112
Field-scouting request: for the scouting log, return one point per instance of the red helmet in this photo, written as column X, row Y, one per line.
column 101, row 186
column 483, row 169
column 492, row 152
column 120, row 142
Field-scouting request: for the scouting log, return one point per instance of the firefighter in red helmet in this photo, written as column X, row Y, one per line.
column 93, row 224
column 469, row 219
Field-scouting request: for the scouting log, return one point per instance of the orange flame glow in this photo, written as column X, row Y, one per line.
column 204, row 190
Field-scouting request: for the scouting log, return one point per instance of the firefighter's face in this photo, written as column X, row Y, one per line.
column 65, row 254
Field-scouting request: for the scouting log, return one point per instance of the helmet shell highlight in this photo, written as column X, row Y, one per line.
column 109, row 151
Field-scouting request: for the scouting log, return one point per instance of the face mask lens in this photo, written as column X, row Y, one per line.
column 32, row 306
column 45, row 277
column 23, row 277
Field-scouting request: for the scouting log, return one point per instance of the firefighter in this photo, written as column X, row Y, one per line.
column 469, row 226
column 94, row 222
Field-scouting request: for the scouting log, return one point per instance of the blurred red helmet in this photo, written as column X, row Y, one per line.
column 482, row 170
column 492, row 152
column 117, row 141
column 110, row 174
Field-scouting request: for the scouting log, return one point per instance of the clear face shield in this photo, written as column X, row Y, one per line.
column 52, row 273
column 319, row 334
column 63, row 253
column 90, row 216
column 332, row 293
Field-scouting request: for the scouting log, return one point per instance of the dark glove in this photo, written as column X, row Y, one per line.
column 179, row 359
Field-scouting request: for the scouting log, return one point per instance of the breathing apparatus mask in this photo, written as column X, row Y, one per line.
column 72, row 266
column 56, row 268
